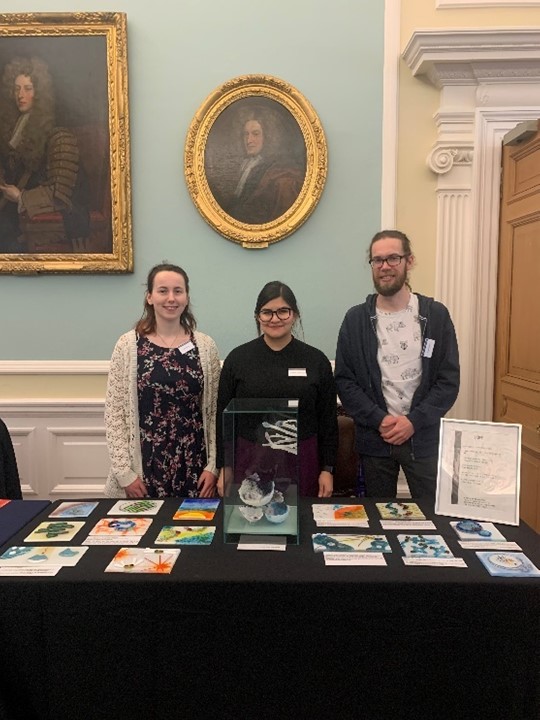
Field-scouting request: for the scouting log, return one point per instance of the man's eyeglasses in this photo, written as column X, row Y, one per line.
column 282, row 313
column 391, row 261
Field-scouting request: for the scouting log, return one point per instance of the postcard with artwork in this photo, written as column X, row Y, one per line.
column 350, row 512
column 508, row 564
column 322, row 542
column 197, row 509
column 185, row 535
column 400, row 511
column 424, row 546
column 74, row 509
column 121, row 526
column 41, row 555
column 136, row 507
column 473, row 530
column 340, row 515
column 143, row 560
column 57, row 531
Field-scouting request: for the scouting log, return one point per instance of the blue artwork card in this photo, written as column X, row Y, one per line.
column 415, row 545
column 508, row 564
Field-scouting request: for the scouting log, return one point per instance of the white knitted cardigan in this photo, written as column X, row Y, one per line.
column 122, row 414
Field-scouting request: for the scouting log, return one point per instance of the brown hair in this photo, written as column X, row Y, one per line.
column 396, row 235
column 147, row 324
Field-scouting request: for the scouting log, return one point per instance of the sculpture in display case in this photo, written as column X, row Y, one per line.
column 261, row 468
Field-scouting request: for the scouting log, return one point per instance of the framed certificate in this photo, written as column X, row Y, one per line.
column 479, row 471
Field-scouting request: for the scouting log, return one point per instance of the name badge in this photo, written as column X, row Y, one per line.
column 186, row 347
column 427, row 350
column 297, row 372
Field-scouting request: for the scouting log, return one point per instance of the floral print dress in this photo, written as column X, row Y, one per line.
column 169, row 388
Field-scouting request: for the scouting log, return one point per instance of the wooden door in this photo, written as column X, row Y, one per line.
column 517, row 354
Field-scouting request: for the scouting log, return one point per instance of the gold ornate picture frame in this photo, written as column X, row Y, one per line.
column 65, row 184
column 255, row 160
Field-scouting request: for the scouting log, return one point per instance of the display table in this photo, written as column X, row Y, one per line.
column 248, row 634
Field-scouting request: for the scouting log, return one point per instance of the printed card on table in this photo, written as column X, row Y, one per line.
column 400, row 511
column 340, row 515
column 136, row 507
column 143, row 560
column 474, row 530
column 424, row 546
column 197, row 509
column 322, row 542
column 350, row 512
column 56, row 531
column 33, row 555
column 185, row 535
column 121, row 526
column 508, row 564
column 73, row 509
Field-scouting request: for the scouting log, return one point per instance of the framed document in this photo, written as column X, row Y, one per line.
column 479, row 471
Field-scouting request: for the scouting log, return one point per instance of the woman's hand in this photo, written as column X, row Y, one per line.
column 137, row 489
column 207, row 484
column 326, row 484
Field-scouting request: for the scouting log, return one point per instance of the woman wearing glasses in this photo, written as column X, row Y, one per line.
column 278, row 365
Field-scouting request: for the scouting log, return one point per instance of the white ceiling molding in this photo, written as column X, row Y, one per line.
column 489, row 81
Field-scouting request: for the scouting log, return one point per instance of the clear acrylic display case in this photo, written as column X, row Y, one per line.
column 261, row 470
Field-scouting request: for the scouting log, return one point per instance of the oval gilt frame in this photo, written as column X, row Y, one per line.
column 291, row 171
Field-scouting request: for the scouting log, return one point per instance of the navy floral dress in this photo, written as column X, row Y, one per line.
column 169, row 387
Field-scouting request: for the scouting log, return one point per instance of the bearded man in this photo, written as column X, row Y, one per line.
column 397, row 373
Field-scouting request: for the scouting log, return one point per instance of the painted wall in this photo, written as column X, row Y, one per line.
column 416, row 206
column 178, row 53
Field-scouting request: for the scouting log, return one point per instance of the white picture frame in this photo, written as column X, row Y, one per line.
column 478, row 475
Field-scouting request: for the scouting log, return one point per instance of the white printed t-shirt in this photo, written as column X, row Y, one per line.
column 398, row 355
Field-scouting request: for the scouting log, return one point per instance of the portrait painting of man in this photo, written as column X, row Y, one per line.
column 54, row 146
column 255, row 160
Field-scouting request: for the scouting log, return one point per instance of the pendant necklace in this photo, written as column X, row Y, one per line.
column 169, row 347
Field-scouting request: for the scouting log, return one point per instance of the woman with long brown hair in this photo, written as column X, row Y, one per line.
column 160, row 407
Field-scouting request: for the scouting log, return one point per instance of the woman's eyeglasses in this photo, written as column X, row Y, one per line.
column 282, row 313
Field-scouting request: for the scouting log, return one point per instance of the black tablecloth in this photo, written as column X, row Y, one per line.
column 16, row 514
column 234, row 634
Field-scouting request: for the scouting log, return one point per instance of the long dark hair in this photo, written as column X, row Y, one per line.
column 147, row 324
column 271, row 291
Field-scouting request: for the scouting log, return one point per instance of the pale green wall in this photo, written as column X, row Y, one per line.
column 178, row 53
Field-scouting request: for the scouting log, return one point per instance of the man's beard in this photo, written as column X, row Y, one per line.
column 389, row 289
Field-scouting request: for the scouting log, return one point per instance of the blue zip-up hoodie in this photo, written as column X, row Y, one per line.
column 358, row 377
